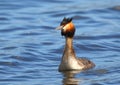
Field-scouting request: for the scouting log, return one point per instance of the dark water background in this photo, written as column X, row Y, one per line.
column 31, row 48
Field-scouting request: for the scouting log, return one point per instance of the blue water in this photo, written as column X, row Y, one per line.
column 31, row 48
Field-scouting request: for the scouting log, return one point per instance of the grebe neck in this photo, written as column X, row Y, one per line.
column 69, row 50
column 68, row 43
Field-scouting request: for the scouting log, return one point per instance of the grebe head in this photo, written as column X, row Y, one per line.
column 67, row 27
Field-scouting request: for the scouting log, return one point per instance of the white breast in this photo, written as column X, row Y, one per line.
column 73, row 64
column 70, row 63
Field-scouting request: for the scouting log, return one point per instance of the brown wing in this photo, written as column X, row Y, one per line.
column 86, row 63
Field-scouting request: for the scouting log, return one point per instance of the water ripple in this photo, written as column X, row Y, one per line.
column 5, row 63
column 12, row 29
column 9, row 48
column 3, row 19
column 112, row 36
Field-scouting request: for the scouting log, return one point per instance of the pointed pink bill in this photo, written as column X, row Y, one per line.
column 59, row 27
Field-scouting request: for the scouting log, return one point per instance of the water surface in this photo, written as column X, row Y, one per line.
column 31, row 48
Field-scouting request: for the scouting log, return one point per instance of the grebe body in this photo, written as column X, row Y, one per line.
column 69, row 60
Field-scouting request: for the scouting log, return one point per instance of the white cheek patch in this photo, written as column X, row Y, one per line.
column 65, row 27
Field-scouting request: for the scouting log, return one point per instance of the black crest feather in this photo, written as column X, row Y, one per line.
column 65, row 21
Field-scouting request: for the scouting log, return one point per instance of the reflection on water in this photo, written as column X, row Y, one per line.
column 69, row 78
column 31, row 48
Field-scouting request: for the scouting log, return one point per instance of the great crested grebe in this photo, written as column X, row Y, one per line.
column 69, row 60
